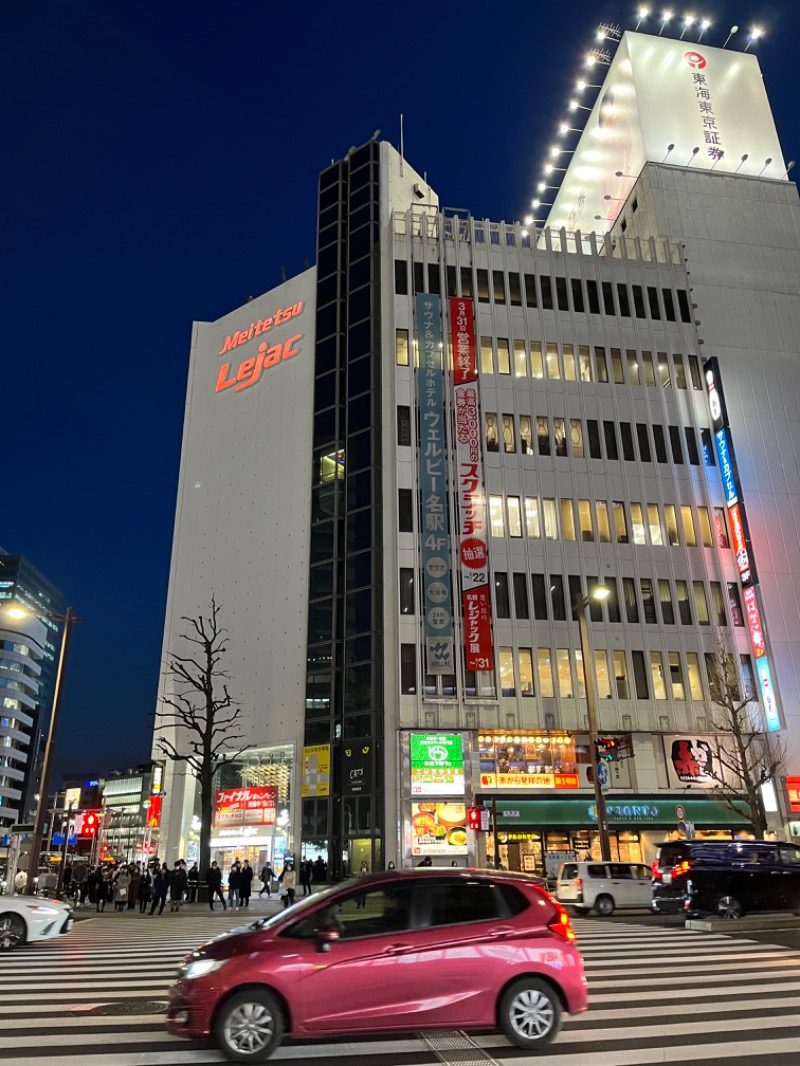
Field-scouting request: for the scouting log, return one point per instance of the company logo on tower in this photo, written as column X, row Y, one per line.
column 695, row 60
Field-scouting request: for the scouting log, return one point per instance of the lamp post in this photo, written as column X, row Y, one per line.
column 579, row 612
column 68, row 618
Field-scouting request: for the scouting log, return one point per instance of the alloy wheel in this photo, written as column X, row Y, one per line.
column 12, row 931
column 531, row 1014
column 729, row 907
column 250, row 1028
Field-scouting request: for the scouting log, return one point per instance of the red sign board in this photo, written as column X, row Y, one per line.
column 754, row 622
column 245, row 806
column 793, row 788
column 740, row 543
column 154, row 812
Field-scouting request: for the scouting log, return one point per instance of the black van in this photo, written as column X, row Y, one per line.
column 726, row 878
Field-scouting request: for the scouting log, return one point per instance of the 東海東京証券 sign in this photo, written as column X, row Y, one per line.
column 437, row 764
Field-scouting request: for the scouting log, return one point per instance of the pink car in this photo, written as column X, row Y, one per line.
column 394, row 952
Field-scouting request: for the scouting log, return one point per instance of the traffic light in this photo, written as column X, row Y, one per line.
column 474, row 818
column 606, row 748
column 91, row 823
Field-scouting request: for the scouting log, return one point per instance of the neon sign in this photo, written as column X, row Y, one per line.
column 726, row 467
column 263, row 325
column 250, row 370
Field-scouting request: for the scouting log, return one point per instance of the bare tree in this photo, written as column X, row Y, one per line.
column 745, row 756
column 201, row 710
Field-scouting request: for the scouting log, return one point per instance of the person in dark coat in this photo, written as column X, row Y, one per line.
column 104, row 889
column 234, row 884
column 193, row 879
column 246, row 883
column 214, row 882
column 306, row 874
column 160, row 889
column 268, row 875
column 145, row 890
column 177, row 886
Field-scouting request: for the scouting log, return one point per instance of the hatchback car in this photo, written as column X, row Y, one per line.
column 26, row 919
column 726, row 878
column 399, row 951
column 604, row 886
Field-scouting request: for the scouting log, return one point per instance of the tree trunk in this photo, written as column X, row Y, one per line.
column 206, row 813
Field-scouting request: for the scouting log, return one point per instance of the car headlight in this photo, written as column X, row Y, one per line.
column 39, row 909
column 200, row 967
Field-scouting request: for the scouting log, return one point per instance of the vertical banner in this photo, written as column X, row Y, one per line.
column 473, row 546
column 435, row 527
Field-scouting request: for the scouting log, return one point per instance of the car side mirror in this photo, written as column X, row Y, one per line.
column 327, row 935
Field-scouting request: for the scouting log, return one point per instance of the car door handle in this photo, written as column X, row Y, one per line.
column 501, row 934
column 397, row 949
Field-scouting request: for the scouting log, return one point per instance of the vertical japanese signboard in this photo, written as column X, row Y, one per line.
column 473, row 540
column 740, row 538
column 435, row 526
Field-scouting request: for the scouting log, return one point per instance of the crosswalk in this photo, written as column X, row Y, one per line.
column 657, row 995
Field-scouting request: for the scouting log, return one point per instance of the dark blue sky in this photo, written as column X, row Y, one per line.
column 159, row 165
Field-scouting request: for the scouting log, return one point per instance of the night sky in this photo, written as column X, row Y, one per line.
column 159, row 165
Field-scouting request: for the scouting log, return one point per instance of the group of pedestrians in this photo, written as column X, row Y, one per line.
column 240, row 885
column 126, row 886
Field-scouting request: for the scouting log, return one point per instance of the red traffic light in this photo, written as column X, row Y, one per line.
column 474, row 818
column 90, row 823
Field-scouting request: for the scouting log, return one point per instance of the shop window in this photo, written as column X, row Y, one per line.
column 660, row 443
column 620, row 522
column 718, row 602
column 405, row 510
column 509, row 438
column 520, row 360
column 695, row 683
column 644, row 442
column 521, row 601
column 593, row 433
column 567, row 520
column 557, row 599
column 496, row 516
column 545, row 665
column 553, row 367
column 585, row 519
column 501, row 598
column 506, row 663
column 648, row 600
column 543, row 434
column 637, row 524
column 492, row 442
column 603, row 524
column 687, row 520
column 735, row 604
column 503, row 356
column 700, row 603
column 539, row 597
column 676, row 676
column 705, row 526
column 585, row 362
column 487, row 356
column 550, row 519
column 537, row 364
column 407, row 591
column 621, row 676
column 403, row 426
column 570, row 370
column 526, row 672
column 667, row 606
column 640, row 675
column 601, row 364
column 720, row 527
column 657, row 675
column 532, row 523
column 565, row 687
column 602, row 675
column 514, row 517
column 684, row 607
column 654, row 525
column 408, row 669
column 525, row 435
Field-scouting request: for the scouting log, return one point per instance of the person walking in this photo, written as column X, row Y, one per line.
column 177, row 886
column 193, row 882
column 268, row 875
column 122, row 882
column 214, row 882
column 145, row 890
column 361, row 900
column 104, row 890
column 234, row 884
column 246, row 883
column 160, row 889
column 135, row 886
column 288, row 880
column 306, row 874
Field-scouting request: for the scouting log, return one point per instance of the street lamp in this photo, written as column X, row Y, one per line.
column 579, row 612
column 68, row 618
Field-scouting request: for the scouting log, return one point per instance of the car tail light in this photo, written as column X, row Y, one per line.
column 656, row 871
column 579, row 883
column 560, row 923
column 681, row 868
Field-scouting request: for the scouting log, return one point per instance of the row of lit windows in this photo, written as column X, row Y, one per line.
column 637, row 523
column 586, row 443
column 546, row 292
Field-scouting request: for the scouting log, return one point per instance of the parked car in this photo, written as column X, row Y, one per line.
column 726, row 878
column 604, row 886
column 26, row 919
column 490, row 950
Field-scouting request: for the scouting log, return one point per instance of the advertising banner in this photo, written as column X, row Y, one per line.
column 768, row 699
column 754, row 622
column 437, row 764
column 438, row 829
column 435, row 525
column 316, row 776
column 245, row 806
column 793, row 792
column 357, row 758
column 473, row 528
column 530, row 781
column 154, row 812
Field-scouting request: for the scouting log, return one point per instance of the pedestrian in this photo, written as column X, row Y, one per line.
column 246, row 883
column 160, row 889
column 288, row 882
column 122, row 882
column 454, row 862
column 135, row 886
column 193, row 881
column 427, row 861
column 361, row 899
column 177, row 886
column 267, row 877
column 234, row 883
column 391, row 866
column 214, row 882
column 306, row 874
column 145, row 890
column 320, row 870
column 104, row 890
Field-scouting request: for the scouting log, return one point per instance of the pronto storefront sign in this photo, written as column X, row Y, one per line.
column 437, row 764
column 530, row 781
column 622, row 811
column 243, row 807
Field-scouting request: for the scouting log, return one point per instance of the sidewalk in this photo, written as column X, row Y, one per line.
column 259, row 908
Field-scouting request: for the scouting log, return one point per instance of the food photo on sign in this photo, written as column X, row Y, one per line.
column 438, row 829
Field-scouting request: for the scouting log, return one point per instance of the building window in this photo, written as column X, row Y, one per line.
column 691, row 446
column 514, row 517
column 520, row 360
column 507, row 686
column 407, row 605
column 694, row 372
column 684, row 607
column 676, row 676
column 603, row 524
column 657, row 675
column 700, row 603
column 483, row 284
column 708, row 447
column 499, row 286
column 550, row 520
column 718, row 601
column 612, row 602
column 543, row 434
column 401, row 277
column 680, row 370
column 735, row 604
column 652, row 293
column 537, row 365
column 611, row 441
column 746, row 674
column 405, row 510
column 403, row 426
column 401, row 346
column 530, row 290
column 602, row 675
column 557, row 598
column 503, row 356
column 521, row 602
column 580, row 674
column 672, row 525
column 577, row 295
column 695, row 683
column 545, row 673
column 628, row 454
column 638, row 301
column 705, row 526
column 570, row 370
column 720, row 527
column 633, row 367
column 640, row 675
column 665, row 598
column 649, row 370
column 525, row 435
column 687, row 520
column 621, row 676
column 496, row 516
column 593, row 432
column 675, row 444
column 631, row 603
column 567, row 520
column 492, row 442
column 547, row 292
column 660, row 442
column 539, row 597
column 487, row 356
column 509, row 440
column 616, row 365
column 648, row 600
column 532, row 523
column 585, row 361
column 565, row 688
column 594, row 298
column 637, row 524
column 526, row 672
column 654, row 523
column 644, row 442
column 502, row 602
column 514, row 290
column 620, row 522
column 602, row 365
column 585, row 519
column 553, row 367
column 408, row 669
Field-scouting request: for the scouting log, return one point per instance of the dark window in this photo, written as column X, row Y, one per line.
column 612, row 603
column 635, row 205
column 648, row 600
column 602, row 365
column 499, row 286
column 521, row 606
column 547, row 292
column 561, row 294
column 627, row 441
column 665, row 598
column 691, row 446
column 577, row 295
column 408, row 669
column 638, row 301
column 660, row 443
column 419, row 277
column 483, row 286
column 624, row 303
column 593, row 430
column 644, row 442
column 594, row 298
column 694, row 372
column 404, row 426
column 708, row 447
column 652, row 296
column 515, row 295
column 557, row 598
column 631, row 602
column 575, row 590
column 683, row 304
column 684, row 607
column 669, row 304
column 735, row 604
column 502, row 601
column 401, row 277
column 539, row 597
column 407, row 591
column 458, row 902
column 434, row 279
column 530, row 290
column 718, row 604
column 452, row 285
column 675, row 443
column 466, row 281
column 608, row 298
column 640, row 675
column 405, row 510
column 611, row 440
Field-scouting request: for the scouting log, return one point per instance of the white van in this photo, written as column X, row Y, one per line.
column 604, row 886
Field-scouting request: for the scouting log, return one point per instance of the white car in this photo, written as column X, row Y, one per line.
column 26, row 919
column 604, row 886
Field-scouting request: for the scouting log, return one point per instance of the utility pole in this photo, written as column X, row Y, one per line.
column 579, row 611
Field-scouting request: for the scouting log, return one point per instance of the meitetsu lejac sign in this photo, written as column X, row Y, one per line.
column 246, row 372
column 740, row 537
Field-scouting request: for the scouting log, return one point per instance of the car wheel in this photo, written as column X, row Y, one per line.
column 12, row 931
column 530, row 1013
column 249, row 1026
column 604, row 905
column 728, row 907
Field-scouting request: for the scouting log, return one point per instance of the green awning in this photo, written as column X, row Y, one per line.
column 621, row 810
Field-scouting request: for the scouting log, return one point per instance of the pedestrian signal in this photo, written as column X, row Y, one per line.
column 606, row 749
column 90, row 824
column 474, row 818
